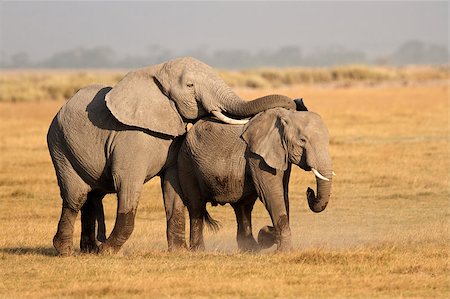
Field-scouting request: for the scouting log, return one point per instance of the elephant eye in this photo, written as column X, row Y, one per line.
column 302, row 139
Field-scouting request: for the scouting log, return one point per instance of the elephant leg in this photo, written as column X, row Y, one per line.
column 174, row 207
column 128, row 197
column 196, row 214
column 193, row 197
column 92, row 212
column 286, row 177
column 101, row 225
column 281, row 231
column 280, row 221
column 196, row 233
column 245, row 239
column 73, row 192
column 270, row 187
column 267, row 236
column 63, row 239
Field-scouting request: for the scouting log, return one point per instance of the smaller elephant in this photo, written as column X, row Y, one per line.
column 222, row 163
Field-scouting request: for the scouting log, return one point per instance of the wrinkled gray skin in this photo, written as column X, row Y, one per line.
column 223, row 163
column 113, row 140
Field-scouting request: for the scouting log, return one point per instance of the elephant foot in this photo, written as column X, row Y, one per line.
column 87, row 245
column 267, row 237
column 64, row 247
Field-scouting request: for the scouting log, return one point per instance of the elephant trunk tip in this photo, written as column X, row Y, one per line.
column 315, row 203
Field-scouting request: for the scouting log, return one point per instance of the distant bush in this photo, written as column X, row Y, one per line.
column 275, row 77
column 20, row 86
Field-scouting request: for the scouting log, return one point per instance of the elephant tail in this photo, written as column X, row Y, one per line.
column 212, row 224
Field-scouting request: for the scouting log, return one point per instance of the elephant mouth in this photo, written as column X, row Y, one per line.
column 304, row 165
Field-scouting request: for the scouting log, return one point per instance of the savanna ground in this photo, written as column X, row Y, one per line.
column 385, row 232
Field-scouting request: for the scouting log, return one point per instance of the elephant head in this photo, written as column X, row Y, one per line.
column 283, row 136
column 161, row 97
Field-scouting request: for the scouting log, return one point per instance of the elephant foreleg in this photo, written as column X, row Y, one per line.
column 271, row 190
column 128, row 197
column 174, row 207
column 286, row 177
column 280, row 232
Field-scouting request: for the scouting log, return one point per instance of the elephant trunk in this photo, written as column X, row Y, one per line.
column 233, row 105
column 318, row 203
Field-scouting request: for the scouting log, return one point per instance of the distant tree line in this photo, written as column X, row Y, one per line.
column 411, row 52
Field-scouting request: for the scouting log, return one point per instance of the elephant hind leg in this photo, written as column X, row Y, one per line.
column 196, row 233
column 174, row 207
column 243, row 210
column 62, row 241
column 73, row 192
column 196, row 210
column 91, row 214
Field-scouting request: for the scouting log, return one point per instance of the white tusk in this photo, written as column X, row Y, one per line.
column 317, row 174
column 228, row 120
column 334, row 173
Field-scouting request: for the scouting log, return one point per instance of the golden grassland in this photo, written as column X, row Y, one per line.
column 385, row 232
column 21, row 86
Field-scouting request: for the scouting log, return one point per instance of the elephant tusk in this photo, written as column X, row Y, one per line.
column 228, row 120
column 333, row 173
column 317, row 174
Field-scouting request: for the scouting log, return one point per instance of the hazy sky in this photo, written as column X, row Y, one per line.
column 43, row 28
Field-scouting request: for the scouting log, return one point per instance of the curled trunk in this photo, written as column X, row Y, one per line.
column 318, row 203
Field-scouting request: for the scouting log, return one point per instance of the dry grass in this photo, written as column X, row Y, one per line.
column 24, row 86
column 384, row 233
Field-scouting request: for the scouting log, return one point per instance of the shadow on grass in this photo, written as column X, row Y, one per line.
column 46, row 251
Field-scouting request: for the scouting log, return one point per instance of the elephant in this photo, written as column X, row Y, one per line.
column 114, row 139
column 236, row 164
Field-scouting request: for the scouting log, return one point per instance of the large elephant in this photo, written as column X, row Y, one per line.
column 113, row 140
column 223, row 163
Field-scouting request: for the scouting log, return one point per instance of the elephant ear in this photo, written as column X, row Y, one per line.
column 138, row 101
column 264, row 137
